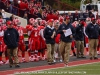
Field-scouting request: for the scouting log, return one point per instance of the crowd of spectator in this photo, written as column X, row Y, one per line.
column 29, row 9
column 36, row 9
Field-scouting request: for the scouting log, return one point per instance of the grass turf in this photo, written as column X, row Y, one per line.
column 89, row 69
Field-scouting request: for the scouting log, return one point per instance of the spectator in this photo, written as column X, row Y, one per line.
column 94, row 13
column 91, row 15
column 50, row 16
column 71, row 16
column 12, row 17
column 49, row 35
column 15, row 7
column 89, row 7
column 23, row 8
column 26, row 16
column 2, row 5
column 10, row 7
column 11, row 39
column 39, row 14
column 81, row 16
column 4, row 15
column 57, row 41
column 75, row 16
column 92, row 31
column 79, row 37
column 0, row 12
column 65, row 43
column 11, row 1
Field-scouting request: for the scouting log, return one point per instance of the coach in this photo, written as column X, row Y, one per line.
column 92, row 31
column 49, row 35
column 11, row 38
column 65, row 44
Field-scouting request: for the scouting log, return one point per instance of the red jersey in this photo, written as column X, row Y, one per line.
column 2, row 44
column 20, row 31
column 35, row 33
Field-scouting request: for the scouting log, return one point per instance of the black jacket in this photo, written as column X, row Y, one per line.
column 47, row 35
column 75, row 17
column 11, row 38
column 79, row 33
column 65, row 27
column 92, row 31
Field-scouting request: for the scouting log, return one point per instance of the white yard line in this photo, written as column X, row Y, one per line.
column 61, row 67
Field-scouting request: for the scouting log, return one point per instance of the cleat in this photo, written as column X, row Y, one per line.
column 7, row 62
column 87, row 53
column 91, row 58
column 17, row 66
column 95, row 58
column 1, row 62
column 23, row 60
column 10, row 66
column 44, row 57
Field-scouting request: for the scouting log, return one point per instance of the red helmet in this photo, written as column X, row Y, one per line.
column 98, row 21
column 56, row 22
column 50, row 20
column 35, row 22
column 92, row 19
column 75, row 23
column 31, row 20
column 16, row 21
column 43, row 22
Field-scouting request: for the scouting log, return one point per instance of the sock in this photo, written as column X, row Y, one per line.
column 23, row 54
column 98, row 48
column 38, row 53
column 73, row 51
column 87, row 49
column 29, row 54
column 6, row 57
column 43, row 53
column 0, row 58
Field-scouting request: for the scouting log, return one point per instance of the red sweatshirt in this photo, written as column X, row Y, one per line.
column 57, row 38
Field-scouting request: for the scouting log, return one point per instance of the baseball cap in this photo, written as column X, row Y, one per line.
column 51, row 20
column 9, row 23
column 92, row 18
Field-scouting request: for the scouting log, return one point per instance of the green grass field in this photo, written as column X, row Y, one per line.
column 89, row 69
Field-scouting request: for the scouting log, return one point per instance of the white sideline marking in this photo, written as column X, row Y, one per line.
column 45, row 65
column 60, row 67
column 68, row 66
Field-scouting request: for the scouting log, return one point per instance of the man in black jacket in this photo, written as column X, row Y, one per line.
column 65, row 44
column 92, row 31
column 11, row 38
column 49, row 35
column 79, row 38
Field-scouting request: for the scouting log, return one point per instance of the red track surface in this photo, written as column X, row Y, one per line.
column 74, row 63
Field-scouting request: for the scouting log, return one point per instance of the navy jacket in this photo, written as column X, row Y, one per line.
column 65, row 27
column 11, row 38
column 92, row 31
column 79, row 33
column 48, row 31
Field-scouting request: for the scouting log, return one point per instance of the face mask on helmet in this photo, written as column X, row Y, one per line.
column 0, row 29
